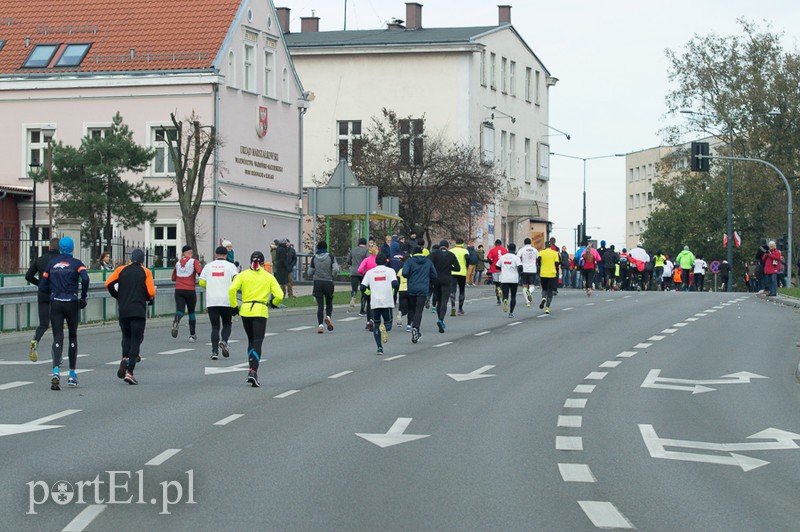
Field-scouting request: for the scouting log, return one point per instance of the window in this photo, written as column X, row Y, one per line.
column 40, row 56
column 512, row 78
column 249, row 70
column 165, row 244
column 492, row 73
column 487, row 144
column 98, row 132
column 638, row 227
column 37, row 147
column 349, row 140
column 503, row 160
column 411, row 141
column 285, row 83
column 527, row 170
column 160, row 137
column 73, row 54
column 503, row 71
column 630, row 175
column 269, row 73
column 630, row 228
column 630, row 201
column 2, row 43
column 544, row 162
column 483, row 66
column 512, row 154
column 231, row 70
column 528, row 80
column 536, row 92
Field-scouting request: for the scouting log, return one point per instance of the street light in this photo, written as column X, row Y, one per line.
column 584, row 159
column 34, row 233
column 47, row 133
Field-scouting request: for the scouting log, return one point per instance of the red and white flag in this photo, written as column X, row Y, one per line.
column 724, row 241
column 737, row 240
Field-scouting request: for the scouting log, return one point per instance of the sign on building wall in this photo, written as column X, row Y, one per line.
column 258, row 163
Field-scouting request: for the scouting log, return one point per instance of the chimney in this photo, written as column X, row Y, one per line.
column 413, row 16
column 395, row 24
column 309, row 24
column 283, row 18
column 504, row 13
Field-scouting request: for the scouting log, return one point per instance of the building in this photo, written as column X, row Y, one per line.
column 480, row 85
column 67, row 66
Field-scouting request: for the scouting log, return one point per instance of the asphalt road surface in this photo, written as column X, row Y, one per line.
column 654, row 411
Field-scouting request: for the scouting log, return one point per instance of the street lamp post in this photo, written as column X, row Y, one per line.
column 47, row 133
column 34, row 233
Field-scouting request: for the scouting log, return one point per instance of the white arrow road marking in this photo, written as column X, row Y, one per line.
column 36, row 424
column 654, row 380
column 15, row 384
column 45, row 360
column 176, row 351
column 477, row 374
column 394, row 436
column 782, row 440
column 229, row 369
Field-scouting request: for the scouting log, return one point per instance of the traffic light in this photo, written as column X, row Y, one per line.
column 699, row 164
column 580, row 234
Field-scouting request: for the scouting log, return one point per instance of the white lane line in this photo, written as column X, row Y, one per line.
column 669, row 331
column 584, row 388
column 85, row 518
column 692, row 319
column 709, row 311
column 352, row 318
column 596, row 376
column 608, row 300
column 576, row 473
column 116, row 362
column 701, row 314
column 393, row 358
column 610, row 363
column 589, row 304
column 224, row 421
column 573, row 422
column 270, row 334
column 514, row 323
column 656, row 338
column 604, row 515
column 575, row 403
column 303, row 328
column 627, row 354
column 52, row 417
column 643, row 345
column 286, row 394
column 231, row 341
column 568, row 308
column 482, row 333
column 626, row 297
column 718, row 307
column 682, row 324
column 175, row 351
column 15, row 384
column 443, row 344
column 569, row 443
column 342, row 374
column 163, row 457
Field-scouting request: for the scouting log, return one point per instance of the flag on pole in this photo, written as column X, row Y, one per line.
column 737, row 240
column 724, row 241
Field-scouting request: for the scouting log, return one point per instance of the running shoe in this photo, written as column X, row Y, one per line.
column 192, row 337
column 214, row 356
column 55, row 382
column 72, row 380
column 505, row 305
column 510, row 314
column 175, row 327
column 452, row 313
column 460, row 312
column 371, row 325
column 440, row 324
column 414, row 336
column 547, row 310
column 328, row 322
column 223, row 346
column 320, row 329
column 130, row 379
column 352, row 303
column 541, row 305
column 528, row 305
column 528, row 296
column 362, row 313
column 384, row 333
column 380, row 351
column 399, row 319
column 409, row 328
column 33, row 354
column 433, row 309
column 427, row 303
column 252, row 379
column 123, row 367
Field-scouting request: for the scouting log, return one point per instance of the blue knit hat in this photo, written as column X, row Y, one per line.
column 66, row 245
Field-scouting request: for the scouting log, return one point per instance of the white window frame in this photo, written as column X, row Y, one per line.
column 149, row 232
column 512, row 78
column 269, row 73
column 350, row 137
column 512, row 154
column 528, row 81
column 483, row 68
column 487, row 144
column 543, row 162
column 30, row 146
column 249, row 68
column 493, row 71
column 231, row 80
column 537, row 97
column 103, row 128
column 527, row 169
column 503, row 147
column 161, row 149
column 285, row 92
column 504, row 75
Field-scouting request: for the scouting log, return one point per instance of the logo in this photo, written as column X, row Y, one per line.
column 62, row 492
column 263, row 121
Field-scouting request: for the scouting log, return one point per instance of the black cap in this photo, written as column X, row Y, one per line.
column 362, row 241
column 257, row 256
column 186, row 248
column 221, row 250
column 137, row 256
column 322, row 245
column 444, row 244
column 417, row 250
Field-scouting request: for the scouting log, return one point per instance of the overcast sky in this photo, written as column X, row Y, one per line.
column 609, row 57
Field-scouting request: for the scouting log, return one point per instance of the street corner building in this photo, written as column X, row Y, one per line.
column 68, row 66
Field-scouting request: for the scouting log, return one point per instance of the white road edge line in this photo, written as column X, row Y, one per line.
column 224, row 421
column 604, row 515
column 85, row 518
column 342, row 374
column 163, row 457
column 285, row 394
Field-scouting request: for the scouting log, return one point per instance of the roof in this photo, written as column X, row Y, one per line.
column 16, row 190
column 386, row 37
column 171, row 35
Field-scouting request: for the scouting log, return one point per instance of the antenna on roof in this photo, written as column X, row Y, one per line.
column 345, row 15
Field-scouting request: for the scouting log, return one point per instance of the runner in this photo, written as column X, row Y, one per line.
column 459, row 277
column 421, row 274
column 323, row 269
column 494, row 254
column 587, row 268
column 132, row 286
column 366, row 265
column 216, row 278
column 185, row 277
column 528, row 256
column 60, row 282
column 548, row 275
column 256, row 285
column 445, row 263
column 354, row 259
column 379, row 283
column 510, row 268
column 38, row 267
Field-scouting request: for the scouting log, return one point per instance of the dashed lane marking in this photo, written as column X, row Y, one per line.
column 393, row 358
column 701, row 314
column 285, row 394
column 596, row 376
column 604, row 515
column 514, row 323
column 224, row 421
column 575, row 403
column 231, row 341
column 584, row 388
column 15, row 384
column 572, row 422
column 569, row 443
column 163, row 457
column 669, row 331
column 443, row 344
column 352, row 318
column 576, row 473
column 175, row 351
column 610, row 363
column 302, row 328
column 627, row 354
column 482, row 333
column 341, row 374
column 682, row 324
column 656, row 338
column 568, row 308
column 643, row 345
column 692, row 319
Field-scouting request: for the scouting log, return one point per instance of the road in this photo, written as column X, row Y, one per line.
column 655, row 411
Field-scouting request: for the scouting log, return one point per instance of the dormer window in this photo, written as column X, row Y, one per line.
column 2, row 43
column 40, row 56
column 73, row 55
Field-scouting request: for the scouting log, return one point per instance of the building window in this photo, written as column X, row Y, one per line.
column 492, row 71
column 527, row 169
column 73, row 55
column 503, row 144
column 269, row 73
column 349, row 140
column 512, row 154
column 487, row 144
column 285, row 85
column 165, row 244
column 411, row 142
column 544, row 162
column 503, row 75
column 249, row 70
column 630, row 175
column 483, row 67
column 40, row 56
column 512, row 78
column 37, row 147
column 528, row 81
column 638, row 227
column 231, row 70
column 630, row 202
column 536, row 90
column 98, row 132
column 161, row 137
column 630, row 228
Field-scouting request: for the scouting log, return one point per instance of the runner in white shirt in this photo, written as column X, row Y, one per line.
column 700, row 267
column 527, row 255
column 510, row 266
column 379, row 283
column 216, row 278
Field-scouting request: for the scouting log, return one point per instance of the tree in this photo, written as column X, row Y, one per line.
column 87, row 181
column 190, row 149
column 734, row 84
column 438, row 181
